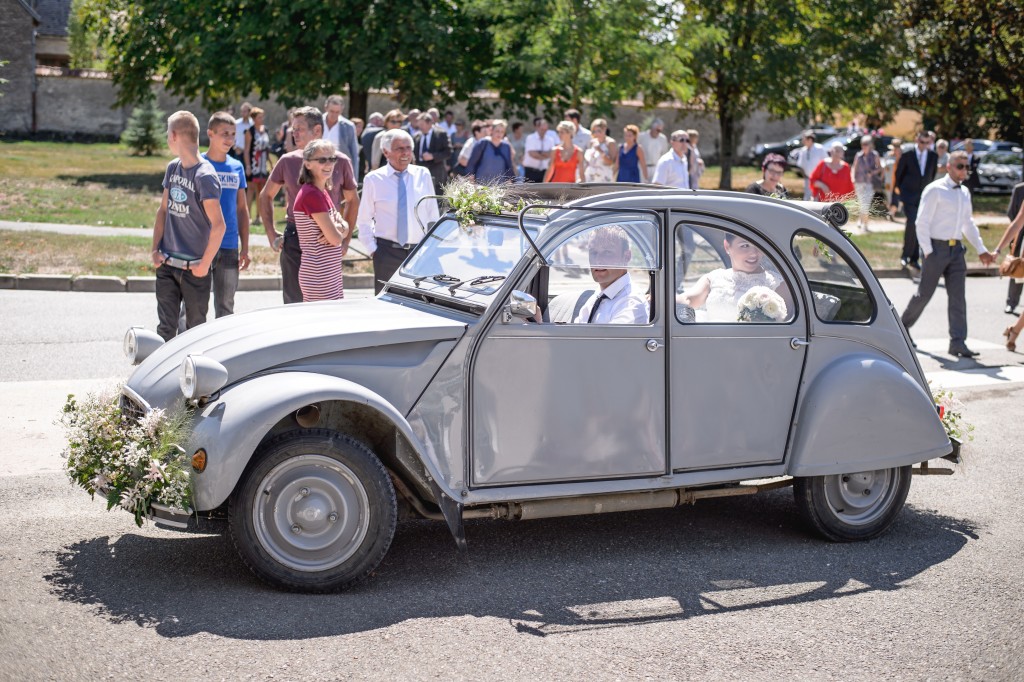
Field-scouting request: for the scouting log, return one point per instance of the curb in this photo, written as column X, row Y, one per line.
column 144, row 285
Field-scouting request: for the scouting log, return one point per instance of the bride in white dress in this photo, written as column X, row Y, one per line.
column 719, row 291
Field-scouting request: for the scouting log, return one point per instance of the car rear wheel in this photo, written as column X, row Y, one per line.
column 315, row 513
column 857, row 506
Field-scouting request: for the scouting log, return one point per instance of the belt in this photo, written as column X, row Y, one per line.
column 948, row 242
column 180, row 263
column 395, row 245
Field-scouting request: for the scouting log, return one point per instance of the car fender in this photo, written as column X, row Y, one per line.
column 231, row 427
column 862, row 413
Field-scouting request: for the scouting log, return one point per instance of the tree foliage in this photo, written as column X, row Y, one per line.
column 790, row 58
column 558, row 53
column 85, row 44
column 967, row 53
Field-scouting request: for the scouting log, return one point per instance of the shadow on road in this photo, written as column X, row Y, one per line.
column 135, row 182
column 544, row 577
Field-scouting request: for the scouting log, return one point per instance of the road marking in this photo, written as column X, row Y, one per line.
column 981, row 376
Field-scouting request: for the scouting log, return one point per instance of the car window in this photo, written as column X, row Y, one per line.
column 840, row 295
column 618, row 258
column 727, row 278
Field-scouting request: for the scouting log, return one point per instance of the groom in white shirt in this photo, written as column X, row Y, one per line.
column 615, row 303
column 943, row 220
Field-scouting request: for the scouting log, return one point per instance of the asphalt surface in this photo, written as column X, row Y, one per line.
column 726, row 589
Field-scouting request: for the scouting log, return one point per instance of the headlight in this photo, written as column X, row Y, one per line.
column 200, row 377
column 140, row 343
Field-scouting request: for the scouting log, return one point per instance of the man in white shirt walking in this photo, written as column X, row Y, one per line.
column 582, row 137
column 387, row 211
column 943, row 220
column 808, row 158
column 539, row 144
column 673, row 169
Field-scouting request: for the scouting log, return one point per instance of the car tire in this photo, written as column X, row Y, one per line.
column 856, row 506
column 315, row 512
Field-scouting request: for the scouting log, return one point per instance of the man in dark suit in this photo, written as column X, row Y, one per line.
column 914, row 172
column 1013, row 294
column 432, row 148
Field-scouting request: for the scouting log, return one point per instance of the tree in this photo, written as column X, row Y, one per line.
column 217, row 50
column 145, row 128
column 562, row 53
column 789, row 58
column 85, row 45
column 970, row 53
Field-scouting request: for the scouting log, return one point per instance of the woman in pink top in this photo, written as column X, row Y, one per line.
column 319, row 225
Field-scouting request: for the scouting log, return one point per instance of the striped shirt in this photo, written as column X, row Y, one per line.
column 320, row 269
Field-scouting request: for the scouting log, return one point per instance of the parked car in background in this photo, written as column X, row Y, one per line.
column 850, row 141
column 999, row 171
column 982, row 146
column 757, row 152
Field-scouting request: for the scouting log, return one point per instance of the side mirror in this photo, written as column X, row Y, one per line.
column 520, row 305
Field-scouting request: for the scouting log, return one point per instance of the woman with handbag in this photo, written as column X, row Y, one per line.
column 1012, row 266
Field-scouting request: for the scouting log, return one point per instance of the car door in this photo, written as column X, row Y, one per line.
column 568, row 400
column 737, row 343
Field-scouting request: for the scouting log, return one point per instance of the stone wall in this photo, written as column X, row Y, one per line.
column 79, row 102
column 17, row 31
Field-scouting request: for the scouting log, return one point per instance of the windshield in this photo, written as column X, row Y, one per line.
column 465, row 261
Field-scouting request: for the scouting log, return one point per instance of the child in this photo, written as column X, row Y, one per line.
column 188, row 230
column 230, row 260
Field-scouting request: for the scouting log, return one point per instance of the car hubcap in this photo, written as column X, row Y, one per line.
column 861, row 498
column 311, row 513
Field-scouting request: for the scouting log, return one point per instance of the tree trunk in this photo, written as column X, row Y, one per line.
column 357, row 103
column 727, row 123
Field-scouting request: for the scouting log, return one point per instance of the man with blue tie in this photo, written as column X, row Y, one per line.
column 386, row 221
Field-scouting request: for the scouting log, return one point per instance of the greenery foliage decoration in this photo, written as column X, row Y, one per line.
column 469, row 199
column 145, row 130
column 132, row 462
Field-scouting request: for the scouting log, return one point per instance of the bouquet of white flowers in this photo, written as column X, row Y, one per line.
column 761, row 304
column 132, row 462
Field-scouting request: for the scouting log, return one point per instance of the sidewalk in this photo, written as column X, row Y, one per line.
column 352, row 281
column 141, row 284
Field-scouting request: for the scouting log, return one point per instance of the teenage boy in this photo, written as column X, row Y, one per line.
column 188, row 230
column 230, row 259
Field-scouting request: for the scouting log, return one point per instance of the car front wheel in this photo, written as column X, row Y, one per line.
column 857, row 506
column 315, row 513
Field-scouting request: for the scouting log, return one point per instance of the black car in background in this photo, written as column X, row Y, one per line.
column 755, row 155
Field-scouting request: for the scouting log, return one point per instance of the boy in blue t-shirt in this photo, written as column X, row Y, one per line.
column 188, row 229
column 230, row 259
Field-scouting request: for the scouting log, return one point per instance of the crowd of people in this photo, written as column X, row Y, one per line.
column 402, row 160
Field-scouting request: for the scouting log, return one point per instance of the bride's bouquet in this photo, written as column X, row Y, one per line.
column 761, row 304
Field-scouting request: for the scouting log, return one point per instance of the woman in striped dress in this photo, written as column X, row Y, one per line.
column 319, row 225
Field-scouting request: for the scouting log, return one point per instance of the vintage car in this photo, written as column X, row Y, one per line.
column 477, row 385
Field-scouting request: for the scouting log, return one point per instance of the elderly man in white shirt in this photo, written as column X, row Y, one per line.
column 808, row 158
column 616, row 302
column 654, row 143
column 943, row 220
column 673, row 169
column 387, row 220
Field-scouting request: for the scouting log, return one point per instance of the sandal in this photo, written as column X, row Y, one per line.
column 1011, row 338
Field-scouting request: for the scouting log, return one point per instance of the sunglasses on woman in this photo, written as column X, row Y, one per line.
column 325, row 159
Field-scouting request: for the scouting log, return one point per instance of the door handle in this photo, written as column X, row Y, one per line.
column 654, row 344
column 795, row 343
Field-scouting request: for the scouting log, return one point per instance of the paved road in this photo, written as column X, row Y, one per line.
column 726, row 589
